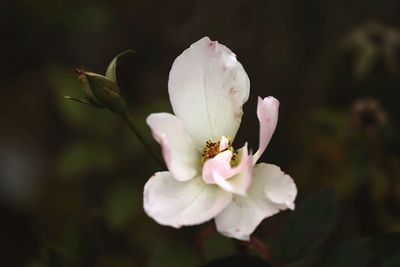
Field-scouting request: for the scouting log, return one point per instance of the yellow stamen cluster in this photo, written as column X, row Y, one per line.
column 211, row 149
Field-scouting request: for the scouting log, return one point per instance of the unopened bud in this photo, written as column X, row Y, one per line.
column 100, row 91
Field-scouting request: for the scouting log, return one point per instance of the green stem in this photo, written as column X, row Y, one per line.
column 128, row 119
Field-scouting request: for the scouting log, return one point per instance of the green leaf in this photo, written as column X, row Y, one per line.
column 36, row 264
column 123, row 202
column 352, row 253
column 393, row 262
column 238, row 260
column 171, row 254
column 54, row 257
column 381, row 251
column 85, row 157
column 111, row 69
column 310, row 224
column 80, row 242
column 218, row 246
column 385, row 250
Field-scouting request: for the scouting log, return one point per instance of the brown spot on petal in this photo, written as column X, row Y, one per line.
column 238, row 114
column 233, row 91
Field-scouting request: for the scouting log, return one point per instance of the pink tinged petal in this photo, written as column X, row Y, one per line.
column 241, row 217
column 179, row 152
column 223, row 143
column 239, row 183
column 220, row 165
column 267, row 113
column 207, row 87
column 279, row 187
column 237, row 179
column 174, row 203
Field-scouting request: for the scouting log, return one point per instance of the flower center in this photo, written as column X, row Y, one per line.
column 212, row 149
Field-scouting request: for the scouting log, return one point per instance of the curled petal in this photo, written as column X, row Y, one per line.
column 207, row 87
column 279, row 187
column 267, row 113
column 219, row 164
column 223, row 144
column 241, row 217
column 179, row 152
column 218, row 170
column 174, row 203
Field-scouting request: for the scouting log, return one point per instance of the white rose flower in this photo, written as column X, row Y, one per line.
column 207, row 178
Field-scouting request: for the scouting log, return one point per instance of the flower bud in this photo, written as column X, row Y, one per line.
column 100, row 91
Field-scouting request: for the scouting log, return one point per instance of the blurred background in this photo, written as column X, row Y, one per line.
column 71, row 176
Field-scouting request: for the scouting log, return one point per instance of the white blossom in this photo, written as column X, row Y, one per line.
column 207, row 178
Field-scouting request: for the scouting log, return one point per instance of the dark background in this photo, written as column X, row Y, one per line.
column 71, row 176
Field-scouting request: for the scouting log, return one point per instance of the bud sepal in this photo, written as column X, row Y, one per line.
column 102, row 91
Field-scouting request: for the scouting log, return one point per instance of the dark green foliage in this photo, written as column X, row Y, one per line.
column 386, row 250
column 381, row 251
column 309, row 225
column 54, row 258
column 238, row 260
column 352, row 253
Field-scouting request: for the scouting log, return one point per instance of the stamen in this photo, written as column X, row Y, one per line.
column 212, row 149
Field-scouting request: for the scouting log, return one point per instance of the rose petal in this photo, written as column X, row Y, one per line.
column 237, row 179
column 279, row 187
column 267, row 113
column 219, row 164
column 241, row 217
column 207, row 87
column 223, row 144
column 174, row 203
column 179, row 152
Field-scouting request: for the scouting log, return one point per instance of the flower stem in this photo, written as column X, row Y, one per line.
column 201, row 238
column 128, row 119
column 262, row 249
